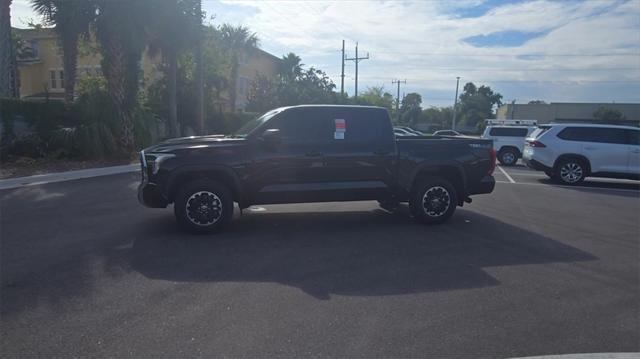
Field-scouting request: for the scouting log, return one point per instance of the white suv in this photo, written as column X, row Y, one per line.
column 570, row 152
column 508, row 141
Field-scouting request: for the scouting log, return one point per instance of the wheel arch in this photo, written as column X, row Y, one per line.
column 450, row 172
column 582, row 158
column 510, row 147
column 221, row 174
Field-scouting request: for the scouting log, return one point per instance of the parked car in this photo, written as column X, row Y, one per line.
column 508, row 141
column 411, row 130
column 570, row 152
column 398, row 131
column 313, row 153
column 447, row 133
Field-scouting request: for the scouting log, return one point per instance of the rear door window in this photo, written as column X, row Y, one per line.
column 509, row 132
column 596, row 134
column 360, row 126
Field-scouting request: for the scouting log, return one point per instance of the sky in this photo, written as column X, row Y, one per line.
column 556, row 51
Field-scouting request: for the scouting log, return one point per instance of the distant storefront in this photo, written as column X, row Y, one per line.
column 567, row 112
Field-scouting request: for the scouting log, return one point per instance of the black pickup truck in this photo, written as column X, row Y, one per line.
column 314, row 153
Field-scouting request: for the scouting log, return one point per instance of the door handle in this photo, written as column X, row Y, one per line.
column 636, row 151
column 313, row 154
column 590, row 148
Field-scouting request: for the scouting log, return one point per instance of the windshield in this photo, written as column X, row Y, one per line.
column 255, row 123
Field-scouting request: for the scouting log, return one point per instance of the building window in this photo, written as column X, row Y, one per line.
column 52, row 79
column 61, row 72
column 35, row 48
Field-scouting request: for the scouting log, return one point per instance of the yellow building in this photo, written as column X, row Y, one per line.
column 42, row 74
column 257, row 62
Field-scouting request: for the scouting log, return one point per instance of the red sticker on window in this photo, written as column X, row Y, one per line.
column 341, row 125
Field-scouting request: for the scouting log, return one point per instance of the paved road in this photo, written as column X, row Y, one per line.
column 532, row 269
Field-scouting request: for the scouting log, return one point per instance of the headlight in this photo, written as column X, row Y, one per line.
column 155, row 164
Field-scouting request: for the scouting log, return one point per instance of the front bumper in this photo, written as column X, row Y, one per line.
column 485, row 185
column 149, row 195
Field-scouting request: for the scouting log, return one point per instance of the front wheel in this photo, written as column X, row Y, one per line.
column 433, row 200
column 203, row 206
column 570, row 171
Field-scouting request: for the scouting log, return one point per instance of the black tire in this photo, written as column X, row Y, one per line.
column 215, row 206
column 508, row 156
column 433, row 200
column 570, row 171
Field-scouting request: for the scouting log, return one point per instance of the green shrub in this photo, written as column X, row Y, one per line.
column 43, row 117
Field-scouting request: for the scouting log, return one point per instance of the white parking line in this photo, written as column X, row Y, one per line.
column 506, row 175
column 581, row 187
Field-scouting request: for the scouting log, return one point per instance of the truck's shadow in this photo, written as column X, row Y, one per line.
column 345, row 253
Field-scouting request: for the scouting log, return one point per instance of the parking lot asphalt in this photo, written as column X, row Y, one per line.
column 531, row 269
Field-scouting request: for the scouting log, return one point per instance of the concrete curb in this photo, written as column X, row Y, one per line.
column 10, row 183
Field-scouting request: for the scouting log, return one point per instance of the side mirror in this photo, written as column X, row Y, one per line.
column 271, row 137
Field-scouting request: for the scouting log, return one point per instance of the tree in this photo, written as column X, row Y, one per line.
column 70, row 20
column 476, row 104
column 7, row 59
column 171, row 32
column 410, row 108
column 121, row 32
column 376, row 96
column 410, row 100
column 608, row 114
column 309, row 86
column 537, row 102
column 214, row 78
column 438, row 118
column 237, row 41
column 290, row 67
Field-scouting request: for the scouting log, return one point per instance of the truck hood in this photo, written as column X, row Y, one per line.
column 193, row 142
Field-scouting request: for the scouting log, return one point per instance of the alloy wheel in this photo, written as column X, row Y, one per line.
column 204, row 208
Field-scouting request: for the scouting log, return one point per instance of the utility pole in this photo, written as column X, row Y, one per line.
column 342, row 76
column 398, row 98
column 199, row 72
column 455, row 105
column 357, row 60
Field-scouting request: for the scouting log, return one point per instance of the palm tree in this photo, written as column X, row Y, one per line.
column 290, row 67
column 237, row 41
column 171, row 32
column 70, row 19
column 121, row 31
column 7, row 70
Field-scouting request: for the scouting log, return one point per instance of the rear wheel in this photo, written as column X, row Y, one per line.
column 203, row 206
column 508, row 157
column 433, row 200
column 570, row 171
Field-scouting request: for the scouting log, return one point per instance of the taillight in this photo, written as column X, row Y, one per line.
column 535, row 143
column 492, row 165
